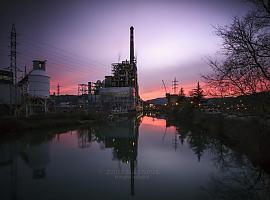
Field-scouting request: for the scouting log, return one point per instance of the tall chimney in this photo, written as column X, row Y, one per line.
column 131, row 45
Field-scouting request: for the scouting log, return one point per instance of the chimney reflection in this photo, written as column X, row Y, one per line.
column 122, row 137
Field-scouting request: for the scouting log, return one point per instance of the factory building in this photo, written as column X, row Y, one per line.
column 124, row 75
column 31, row 91
column 6, row 87
column 9, row 94
column 119, row 91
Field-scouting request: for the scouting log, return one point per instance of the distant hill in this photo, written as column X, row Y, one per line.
column 158, row 101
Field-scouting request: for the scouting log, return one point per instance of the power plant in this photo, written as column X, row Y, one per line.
column 119, row 92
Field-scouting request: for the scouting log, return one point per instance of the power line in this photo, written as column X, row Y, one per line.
column 63, row 52
column 62, row 64
column 61, row 60
column 58, row 58
column 65, row 60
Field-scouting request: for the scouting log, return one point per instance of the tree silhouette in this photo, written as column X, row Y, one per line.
column 181, row 95
column 198, row 143
column 197, row 94
column 245, row 68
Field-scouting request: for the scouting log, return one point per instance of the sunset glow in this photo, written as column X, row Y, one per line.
column 172, row 38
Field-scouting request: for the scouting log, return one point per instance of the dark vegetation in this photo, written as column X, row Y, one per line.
column 48, row 121
column 249, row 136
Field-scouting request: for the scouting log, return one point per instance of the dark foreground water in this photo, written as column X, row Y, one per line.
column 128, row 159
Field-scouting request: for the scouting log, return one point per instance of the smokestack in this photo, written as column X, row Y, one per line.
column 131, row 45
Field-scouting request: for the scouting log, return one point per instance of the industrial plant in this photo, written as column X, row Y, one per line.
column 117, row 93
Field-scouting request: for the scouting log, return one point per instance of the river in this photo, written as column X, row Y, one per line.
column 146, row 158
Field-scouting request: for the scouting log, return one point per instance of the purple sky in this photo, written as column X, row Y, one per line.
column 80, row 38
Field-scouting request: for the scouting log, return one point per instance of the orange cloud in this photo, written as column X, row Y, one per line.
column 160, row 92
column 68, row 82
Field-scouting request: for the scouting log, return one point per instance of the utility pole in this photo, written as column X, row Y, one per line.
column 58, row 89
column 13, row 67
column 26, row 100
column 174, row 85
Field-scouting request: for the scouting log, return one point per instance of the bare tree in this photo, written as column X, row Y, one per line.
column 227, row 79
column 246, row 52
column 262, row 5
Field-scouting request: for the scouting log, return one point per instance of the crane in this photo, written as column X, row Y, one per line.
column 164, row 87
column 167, row 95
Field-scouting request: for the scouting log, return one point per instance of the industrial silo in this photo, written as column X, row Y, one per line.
column 39, row 80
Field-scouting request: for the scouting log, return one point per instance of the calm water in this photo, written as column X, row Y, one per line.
column 128, row 159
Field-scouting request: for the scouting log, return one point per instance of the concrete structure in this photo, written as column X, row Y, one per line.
column 120, row 92
column 118, row 98
column 37, row 82
column 35, row 87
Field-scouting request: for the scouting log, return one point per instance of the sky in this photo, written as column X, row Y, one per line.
column 81, row 38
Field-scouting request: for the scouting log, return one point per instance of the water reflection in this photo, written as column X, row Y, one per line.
column 117, row 160
column 33, row 152
column 121, row 136
column 37, row 156
column 237, row 177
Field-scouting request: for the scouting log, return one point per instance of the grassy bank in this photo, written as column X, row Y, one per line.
column 48, row 121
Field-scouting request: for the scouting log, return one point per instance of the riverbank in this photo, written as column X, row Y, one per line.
column 49, row 121
column 247, row 135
